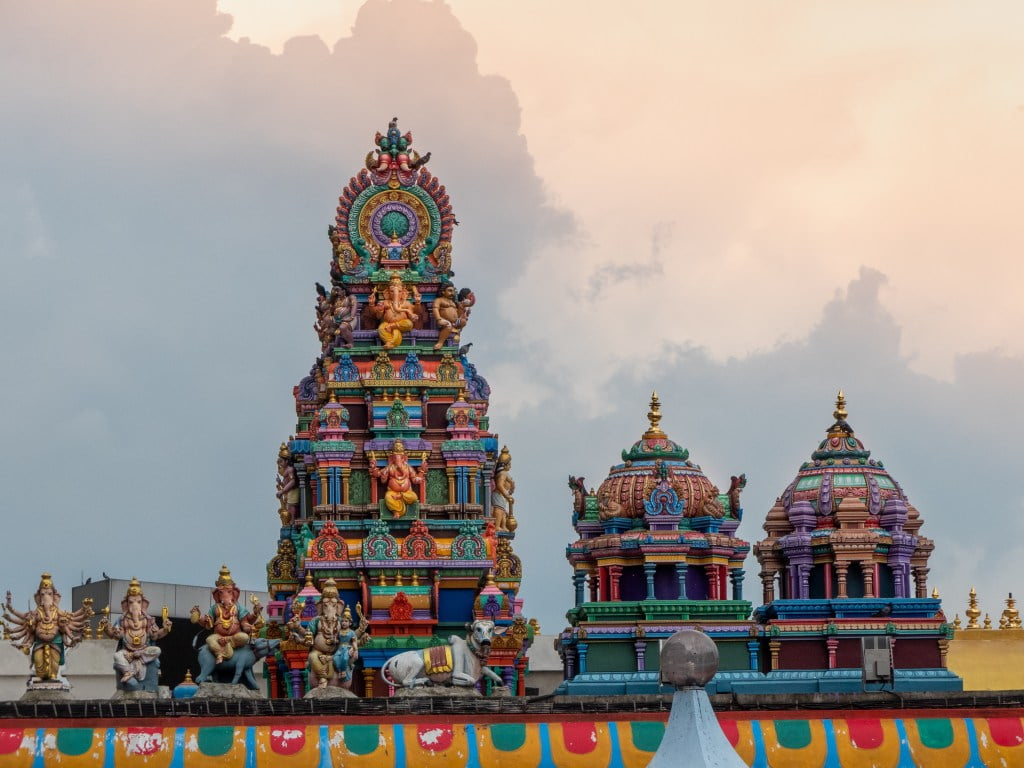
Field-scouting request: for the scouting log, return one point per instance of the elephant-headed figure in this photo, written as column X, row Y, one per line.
column 136, row 660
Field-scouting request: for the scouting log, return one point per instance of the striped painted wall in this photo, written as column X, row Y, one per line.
column 935, row 742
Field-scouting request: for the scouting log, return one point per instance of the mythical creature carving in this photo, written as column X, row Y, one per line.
column 394, row 160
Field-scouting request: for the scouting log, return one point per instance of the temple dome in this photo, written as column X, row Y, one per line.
column 841, row 468
column 653, row 458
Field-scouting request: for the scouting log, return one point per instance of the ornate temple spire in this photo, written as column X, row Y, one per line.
column 654, row 417
column 840, row 428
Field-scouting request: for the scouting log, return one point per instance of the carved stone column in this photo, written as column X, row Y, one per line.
column 832, row 644
column 649, row 570
column 368, row 677
column 841, row 568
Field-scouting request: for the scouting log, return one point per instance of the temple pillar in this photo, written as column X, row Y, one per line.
column 804, row 580
column 869, row 580
column 943, row 650
column 324, row 496
column 921, row 581
column 640, row 649
column 768, row 586
column 304, row 492
column 773, row 647
column 578, row 578
column 754, row 652
column 681, row 578
column 712, row 573
column 451, row 488
column 472, row 486
column 736, row 575
column 614, row 573
column 298, row 689
column 593, row 583
column 841, row 568
column 368, row 677
column 649, row 569
column 570, row 662
column 581, row 650
column 832, row 644
column 346, row 473
column 828, row 581
column 521, row 676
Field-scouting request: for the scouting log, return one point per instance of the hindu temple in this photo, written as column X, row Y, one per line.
column 657, row 552
column 394, row 491
column 844, row 560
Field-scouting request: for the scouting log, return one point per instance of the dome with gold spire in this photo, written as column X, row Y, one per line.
column 657, row 482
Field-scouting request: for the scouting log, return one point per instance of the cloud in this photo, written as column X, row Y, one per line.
column 166, row 196
column 946, row 442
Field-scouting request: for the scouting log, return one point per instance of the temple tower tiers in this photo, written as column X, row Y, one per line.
column 393, row 484
column 656, row 553
column 844, row 560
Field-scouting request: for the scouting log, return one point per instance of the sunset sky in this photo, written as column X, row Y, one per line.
column 745, row 206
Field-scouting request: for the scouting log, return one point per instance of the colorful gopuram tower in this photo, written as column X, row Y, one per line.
column 393, row 484
column 656, row 553
column 844, row 560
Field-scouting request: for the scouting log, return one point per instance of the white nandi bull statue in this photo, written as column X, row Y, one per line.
column 461, row 662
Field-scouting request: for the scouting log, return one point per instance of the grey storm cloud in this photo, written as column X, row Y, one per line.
column 164, row 197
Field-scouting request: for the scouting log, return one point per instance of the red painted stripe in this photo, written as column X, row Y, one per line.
column 579, row 738
column 731, row 731
column 10, row 740
column 435, row 737
column 1006, row 732
column 866, row 734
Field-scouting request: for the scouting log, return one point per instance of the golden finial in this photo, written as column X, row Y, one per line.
column 1010, row 618
column 988, row 621
column 398, row 579
column 309, row 580
column 957, row 624
column 188, row 677
column 383, row 581
column 840, row 414
column 654, row 416
column 973, row 612
column 490, row 579
column 935, row 593
column 415, row 579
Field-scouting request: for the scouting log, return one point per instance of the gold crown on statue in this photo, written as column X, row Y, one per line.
column 398, row 447
column 134, row 589
column 46, row 581
column 284, row 453
column 330, row 589
column 225, row 580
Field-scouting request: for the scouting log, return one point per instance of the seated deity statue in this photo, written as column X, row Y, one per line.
column 136, row 658
column 231, row 624
column 400, row 478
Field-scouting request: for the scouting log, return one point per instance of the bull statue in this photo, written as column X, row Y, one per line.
column 462, row 662
column 238, row 668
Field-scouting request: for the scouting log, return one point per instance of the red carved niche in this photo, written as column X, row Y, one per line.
column 401, row 608
column 329, row 545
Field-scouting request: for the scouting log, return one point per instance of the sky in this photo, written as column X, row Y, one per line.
column 743, row 207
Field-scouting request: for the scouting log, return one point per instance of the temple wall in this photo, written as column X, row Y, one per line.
column 861, row 739
column 988, row 660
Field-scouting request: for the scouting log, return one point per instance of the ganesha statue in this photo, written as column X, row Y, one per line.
column 333, row 643
column 136, row 660
column 45, row 633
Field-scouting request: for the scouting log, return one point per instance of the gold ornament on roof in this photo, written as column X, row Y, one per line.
column 973, row 612
column 840, row 428
column 988, row 621
column 1010, row 618
column 957, row 624
column 654, row 417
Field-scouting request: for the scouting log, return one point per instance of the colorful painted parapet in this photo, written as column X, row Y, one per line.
column 935, row 742
column 657, row 545
column 843, row 561
column 393, row 484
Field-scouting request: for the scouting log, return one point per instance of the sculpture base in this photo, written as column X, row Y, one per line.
column 330, row 692
column 51, row 690
column 163, row 692
column 439, row 691
column 225, row 691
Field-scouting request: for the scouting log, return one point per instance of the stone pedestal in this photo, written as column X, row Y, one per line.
column 225, row 691
column 330, row 692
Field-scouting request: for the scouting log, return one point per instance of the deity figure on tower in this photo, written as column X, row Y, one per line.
column 136, row 658
column 394, row 310
column 46, row 632
column 400, row 478
column 502, row 497
column 451, row 313
column 287, row 486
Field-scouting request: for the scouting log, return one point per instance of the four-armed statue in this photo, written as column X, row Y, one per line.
column 394, row 311
column 227, row 650
column 45, row 632
column 333, row 644
column 287, row 486
column 136, row 658
column 400, row 478
column 461, row 663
